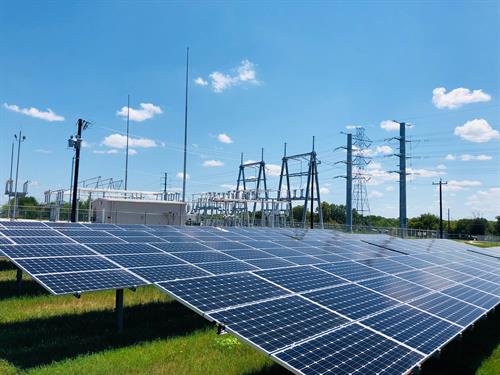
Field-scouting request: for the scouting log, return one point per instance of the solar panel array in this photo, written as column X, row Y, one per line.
column 315, row 301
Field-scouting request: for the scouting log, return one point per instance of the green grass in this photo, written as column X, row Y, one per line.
column 482, row 244
column 42, row 334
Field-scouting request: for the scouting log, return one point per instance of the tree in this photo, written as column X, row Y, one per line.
column 424, row 221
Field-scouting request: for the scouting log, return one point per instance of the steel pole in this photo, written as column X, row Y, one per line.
column 402, row 177
column 348, row 188
column 126, row 151
column 185, row 128
column 17, row 174
column 74, row 201
column 10, row 178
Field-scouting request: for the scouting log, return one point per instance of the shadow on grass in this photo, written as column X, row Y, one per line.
column 273, row 369
column 465, row 355
column 9, row 287
column 5, row 265
column 41, row 341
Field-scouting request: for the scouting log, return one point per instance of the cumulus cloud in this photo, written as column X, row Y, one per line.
column 384, row 149
column 228, row 186
column 389, row 188
column 120, row 141
column 477, row 130
column 422, row 172
column 469, row 157
column 450, row 157
column 324, row 190
column 458, row 185
column 224, row 138
column 213, row 163
column 245, row 73
column 389, row 125
column 441, row 167
column 48, row 115
column 457, row 97
column 200, row 82
column 146, row 112
column 180, row 175
column 273, row 169
column 106, row 152
column 131, row 151
column 43, row 151
column 485, row 201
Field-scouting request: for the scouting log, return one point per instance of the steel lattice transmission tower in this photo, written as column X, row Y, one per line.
column 360, row 161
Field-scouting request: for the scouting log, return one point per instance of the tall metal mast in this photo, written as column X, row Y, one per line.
column 185, row 128
column 126, row 151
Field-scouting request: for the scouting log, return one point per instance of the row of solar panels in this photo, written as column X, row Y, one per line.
column 354, row 307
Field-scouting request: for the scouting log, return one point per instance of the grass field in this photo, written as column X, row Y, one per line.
column 43, row 334
column 482, row 244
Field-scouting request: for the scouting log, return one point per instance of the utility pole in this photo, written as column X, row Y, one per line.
column 449, row 229
column 126, row 150
column 402, row 175
column 165, row 187
column 10, row 177
column 19, row 139
column 441, row 183
column 348, row 185
column 76, row 143
column 185, row 128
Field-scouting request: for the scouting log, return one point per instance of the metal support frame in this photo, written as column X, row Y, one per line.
column 19, row 279
column 119, row 309
column 312, row 187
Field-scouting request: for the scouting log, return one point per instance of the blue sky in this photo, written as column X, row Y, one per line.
column 260, row 74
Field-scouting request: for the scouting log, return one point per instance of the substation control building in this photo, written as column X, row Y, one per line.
column 138, row 211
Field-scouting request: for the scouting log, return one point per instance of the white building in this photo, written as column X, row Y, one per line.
column 136, row 211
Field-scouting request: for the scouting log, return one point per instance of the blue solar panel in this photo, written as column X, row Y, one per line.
column 204, row 257
column 169, row 273
column 36, row 251
column 248, row 254
column 385, row 265
column 37, row 266
column 226, row 245
column 473, row 296
column 304, row 260
column 396, row 288
column 40, row 240
column 449, row 308
column 350, row 350
column 268, row 263
column 124, row 248
column 414, row 328
column 426, row 279
column 351, row 270
column 300, row 279
column 99, row 239
column 218, row 292
column 144, row 260
column 352, row 300
column 77, row 282
column 30, row 232
column 181, row 247
column 227, row 267
column 278, row 323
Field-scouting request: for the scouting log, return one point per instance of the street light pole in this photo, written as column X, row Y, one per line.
column 19, row 139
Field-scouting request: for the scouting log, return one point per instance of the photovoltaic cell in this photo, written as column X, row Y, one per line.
column 305, row 260
column 396, row 288
column 278, row 323
column 181, row 247
column 350, row 350
column 300, row 279
column 449, row 308
column 268, row 263
column 227, row 267
column 204, row 257
column 218, row 292
column 40, row 240
column 385, row 265
column 144, row 260
column 36, row 266
column 413, row 327
column 76, row 282
column 426, row 279
column 36, row 251
column 124, row 248
column 169, row 273
column 352, row 300
column 474, row 296
column 351, row 270
column 248, row 254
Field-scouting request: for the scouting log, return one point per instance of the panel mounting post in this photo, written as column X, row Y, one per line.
column 19, row 279
column 119, row 309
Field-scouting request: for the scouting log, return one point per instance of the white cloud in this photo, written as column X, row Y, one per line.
column 120, row 141
column 485, row 201
column 469, row 157
column 375, row 165
column 384, row 149
column 273, row 169
column 477, row 130
column 389, row 125
column 375, row 194
column 107, row 152
column 224, row 138
column 324, row 190
column 213, row 163
column 131, row 151
column 441, row 167
column 243, row 74
column 180, row 175
column 146, row 112
column 389, row 188
column 350, row 127
column 48, row 115
column 85, row 144
column 422, row 172
column 200, row 82
column 43, row 151
column 457, row 97
column 450, row 157
column 458, row 185
column 228, row 186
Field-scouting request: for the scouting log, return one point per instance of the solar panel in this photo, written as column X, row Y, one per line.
column 291, row 293
column 278, row 323
column 349, row 350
